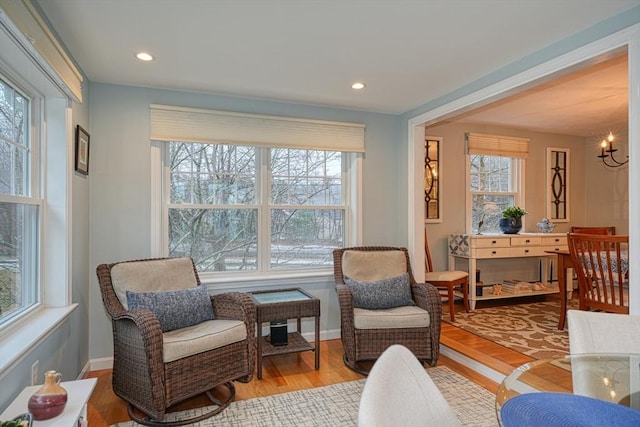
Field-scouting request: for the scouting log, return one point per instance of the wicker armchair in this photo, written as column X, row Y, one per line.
column 365, row 333
column 152, row 369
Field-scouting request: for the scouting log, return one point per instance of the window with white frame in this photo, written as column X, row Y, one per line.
column 19, row 204
column 38, row 82
column 257, row 208
column 495, row 178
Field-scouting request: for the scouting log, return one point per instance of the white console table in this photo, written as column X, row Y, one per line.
column 75, row 411
column 474, row 247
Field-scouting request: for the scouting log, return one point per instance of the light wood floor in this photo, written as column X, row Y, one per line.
column 296, row 371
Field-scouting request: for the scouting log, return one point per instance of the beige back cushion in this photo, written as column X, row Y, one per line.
column 152, row 276
column 373, row 265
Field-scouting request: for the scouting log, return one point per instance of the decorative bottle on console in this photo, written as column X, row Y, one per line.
column 49, row 401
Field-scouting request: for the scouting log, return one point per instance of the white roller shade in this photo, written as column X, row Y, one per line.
column 497, row 145
column 169, row 123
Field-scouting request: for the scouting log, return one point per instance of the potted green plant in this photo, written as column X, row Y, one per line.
column 511, row 221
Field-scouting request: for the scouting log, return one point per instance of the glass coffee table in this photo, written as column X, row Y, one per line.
column 279, row 306
column 609, row 377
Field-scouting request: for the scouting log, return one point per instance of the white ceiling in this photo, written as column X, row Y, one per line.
column 407, row 52
column 589, row 102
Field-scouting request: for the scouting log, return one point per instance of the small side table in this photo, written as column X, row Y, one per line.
column 284, row 304
column 78, row 393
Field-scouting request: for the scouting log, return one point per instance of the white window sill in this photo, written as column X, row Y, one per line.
column 17, row 343
column 240, row 283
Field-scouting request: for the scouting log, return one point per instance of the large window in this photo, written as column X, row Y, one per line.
column 236, row 208
column 251, row 196
column 19, row 205
column 495, row 178
column 494, row 185
column 35, row 183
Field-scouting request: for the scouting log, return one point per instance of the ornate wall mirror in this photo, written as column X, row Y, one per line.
column 432, row 179
column 557, row 184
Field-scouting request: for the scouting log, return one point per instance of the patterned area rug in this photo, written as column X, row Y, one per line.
column 337, row 405
column 530, row 329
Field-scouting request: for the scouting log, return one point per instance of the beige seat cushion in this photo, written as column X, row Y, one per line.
column 369, row 266
column 201, row 337
column 445, row 276
column 398, row 317
column 156, row 275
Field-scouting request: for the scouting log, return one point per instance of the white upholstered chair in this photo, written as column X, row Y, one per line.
column 598, row 332
column 399, row 392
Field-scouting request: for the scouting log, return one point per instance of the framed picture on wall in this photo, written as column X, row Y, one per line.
column 82, row 150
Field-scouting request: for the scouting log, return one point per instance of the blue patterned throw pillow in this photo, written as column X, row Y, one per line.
column 386, row 293
column 175, row 309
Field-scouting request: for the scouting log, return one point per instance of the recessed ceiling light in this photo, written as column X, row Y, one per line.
column 144, row 56
column 358, row 85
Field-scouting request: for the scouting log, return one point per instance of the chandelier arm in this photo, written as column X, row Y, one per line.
column 619, row 163
column 615, row 165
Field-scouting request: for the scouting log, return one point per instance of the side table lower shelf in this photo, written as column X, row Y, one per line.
column 296, row 343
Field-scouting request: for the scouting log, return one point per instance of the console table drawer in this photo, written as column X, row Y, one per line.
column 554, row 241
column 492, row 253
column 498, row 242
column 525, row 241
column 524, row 251
column 555, row 248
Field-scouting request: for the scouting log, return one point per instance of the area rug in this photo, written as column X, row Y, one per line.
column 530, row 329
column 337, row 405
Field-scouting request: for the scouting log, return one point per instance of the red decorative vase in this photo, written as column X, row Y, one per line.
column 50, row 399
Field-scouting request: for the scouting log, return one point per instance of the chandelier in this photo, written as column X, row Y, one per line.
column 607, row 150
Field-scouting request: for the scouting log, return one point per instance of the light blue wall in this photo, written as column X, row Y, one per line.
column 121, row 179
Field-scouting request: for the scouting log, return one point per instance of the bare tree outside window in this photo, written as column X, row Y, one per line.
column 218, row 216
column 307, row 213
column 213, row 210
column 492, row 190
column 18, row 220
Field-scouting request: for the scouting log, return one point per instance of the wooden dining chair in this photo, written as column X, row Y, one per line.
column 449, row 280
column 593, row 230
column 590, row 230
column 601, row 263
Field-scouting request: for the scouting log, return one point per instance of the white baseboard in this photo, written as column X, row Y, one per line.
column 101, row 363
column 324, row 335
column 86, row 368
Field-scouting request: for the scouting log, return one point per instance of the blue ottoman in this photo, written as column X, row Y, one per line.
column 562, row 409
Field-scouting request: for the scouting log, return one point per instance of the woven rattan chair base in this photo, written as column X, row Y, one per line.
column 222, row 405
column 355, row 367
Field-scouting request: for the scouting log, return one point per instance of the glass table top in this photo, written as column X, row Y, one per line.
column 288, row 295
column 609, row 377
